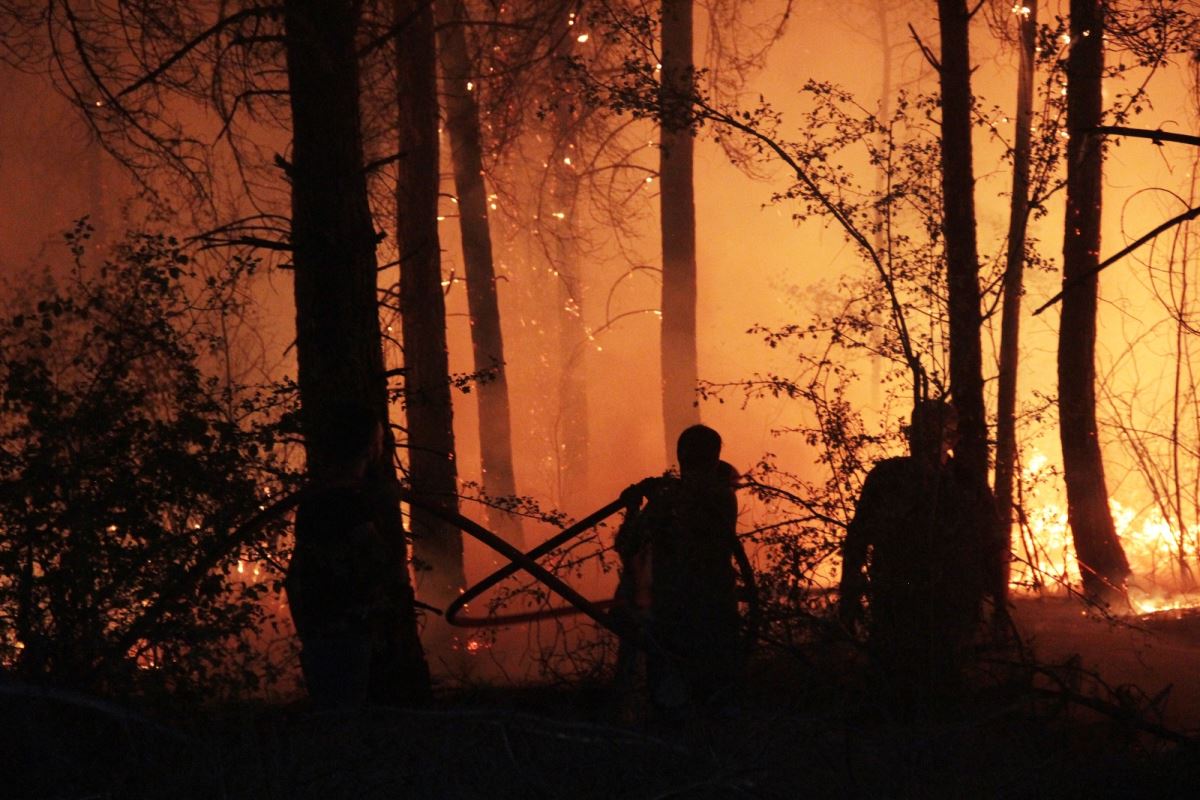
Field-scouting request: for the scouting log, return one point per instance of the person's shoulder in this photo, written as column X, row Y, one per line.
column 895, row 466
column 890, row 475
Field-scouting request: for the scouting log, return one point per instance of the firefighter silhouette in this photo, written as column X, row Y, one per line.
column 918, row 552
column 678, row 578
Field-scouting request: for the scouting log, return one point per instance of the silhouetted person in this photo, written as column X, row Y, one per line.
column 923, row 533
column 677, row 555
column 337, row 568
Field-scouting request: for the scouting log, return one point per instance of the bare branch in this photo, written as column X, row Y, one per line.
column 1156, row 136
column 1186, row 216
column 925, row 51
column 195, row 42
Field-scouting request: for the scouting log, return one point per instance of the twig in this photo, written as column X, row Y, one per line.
column 925, row 51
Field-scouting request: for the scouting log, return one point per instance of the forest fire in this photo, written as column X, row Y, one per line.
column 320, row 319
column 1162, row 558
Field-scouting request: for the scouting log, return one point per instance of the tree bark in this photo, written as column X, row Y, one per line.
column 1101, row 558
column 962, row 262
column 678, row 222
column 1014, row 279
column 338, row 345
column 487, row 340
column 437, row 546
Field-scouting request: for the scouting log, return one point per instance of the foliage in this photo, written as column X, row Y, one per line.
column 874, row 176
column 123, row 466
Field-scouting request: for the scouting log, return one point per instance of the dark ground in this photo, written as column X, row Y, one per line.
column 803, row 729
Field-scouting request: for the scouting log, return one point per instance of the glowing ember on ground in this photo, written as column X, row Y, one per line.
column 471, row 646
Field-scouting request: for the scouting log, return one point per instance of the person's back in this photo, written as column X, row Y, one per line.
column 690, row 520
column 921, row 531
column 693, row 546
column 694, row 595
column 924, row 531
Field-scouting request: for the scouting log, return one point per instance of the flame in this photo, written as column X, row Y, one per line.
column 1161, row 556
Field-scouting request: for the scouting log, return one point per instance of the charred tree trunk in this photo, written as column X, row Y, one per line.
column 487, row 341
column 1014, row 279
column 678, row 221
column 338, row 342
column 437, row 546
column 1101, row 558
column 962, row 262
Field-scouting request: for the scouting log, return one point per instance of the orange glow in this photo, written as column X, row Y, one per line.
column 1044, row 554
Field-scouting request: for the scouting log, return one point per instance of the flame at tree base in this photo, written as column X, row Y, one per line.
column 1162, row 556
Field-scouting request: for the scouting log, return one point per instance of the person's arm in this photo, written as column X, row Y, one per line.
column 632, row 497
column 634, row 494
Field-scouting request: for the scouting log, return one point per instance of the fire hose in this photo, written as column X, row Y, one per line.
column 623, row 626
column 454, row 610
column 578, row 604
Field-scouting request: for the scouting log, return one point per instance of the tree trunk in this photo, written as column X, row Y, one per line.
column 678, row 221
column 1014, row 278
column 487, row 341
column 1101, row 558
column 432, row 472
column 962, row 262
column 338, row 345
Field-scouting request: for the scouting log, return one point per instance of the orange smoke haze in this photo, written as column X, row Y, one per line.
column 758, row 267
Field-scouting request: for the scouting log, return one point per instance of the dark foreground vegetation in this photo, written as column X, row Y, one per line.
column 803, row 728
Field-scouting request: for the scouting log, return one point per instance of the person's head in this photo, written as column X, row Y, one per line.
column 698, row 449
column 934, row 431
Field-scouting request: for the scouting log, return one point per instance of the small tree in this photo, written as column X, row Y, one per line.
column 124, row 465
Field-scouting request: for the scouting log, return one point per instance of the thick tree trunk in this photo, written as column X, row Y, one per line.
column 338, row 343
column 437, row 546
column 962, row 262
column 1014, row 278
column 1101, row 557
column 678, row 221
column 487, row 341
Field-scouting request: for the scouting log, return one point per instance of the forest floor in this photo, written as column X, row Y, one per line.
column 803, row 728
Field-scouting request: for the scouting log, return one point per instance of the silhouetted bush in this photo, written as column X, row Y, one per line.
column 125, row 463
